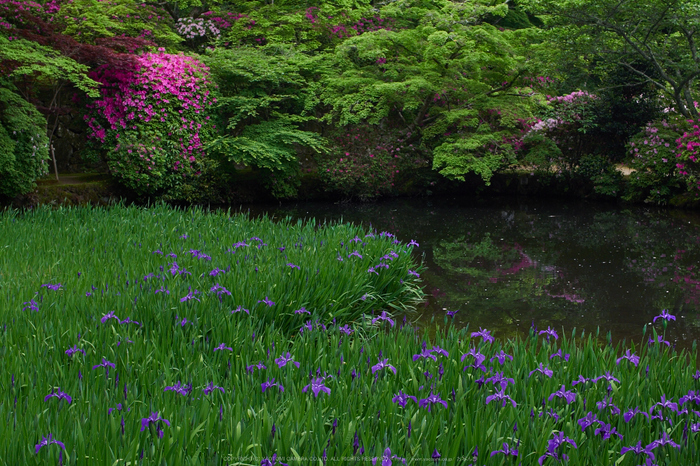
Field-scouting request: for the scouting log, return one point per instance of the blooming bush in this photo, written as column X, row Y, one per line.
column 557, row 140
column 153, row 121
column 652, row 154
column 365, row 163
column 688, row 155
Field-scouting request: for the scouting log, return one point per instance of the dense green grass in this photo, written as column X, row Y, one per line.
column 112, row 250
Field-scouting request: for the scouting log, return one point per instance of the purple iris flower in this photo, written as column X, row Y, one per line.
column 402, row 399
column 157, row 251
column 570, row 397
column 506, row 450
column 633, row 412
column 414, row 273
column 60, row 395
column 317, row 386
column 581, row 379
column 413, row 243
column 542, row 370
column 478, row 359
column 283, row 360
column 267, row 301
column 696, row 376
column 665, row 316
column 129, row 321
column 109, row 315
column 183, row 390
column 438, row 350
column 553, row 447
column 190, row 296
column 485, row 334
column 501, row 396
column 608, row 378
column 51, row 286
column 551, row 413
column 356, row 254
column 633, row 358
column 223, row 346
column 220, row 291
column 155, row 419
column 452, row 313
column 271, row 383
column 384, row 316
column 565, row 357
column 664, row 440
column 387, row 458
column 46, row 442
column 211, row 387
column 216, row 272
column 73, row 350
column 294, row 266
column 501, row 357
column 369, row 270
column 346, row 329
column 664, row 403
column 659, row 339
column 499, row 379
column 239, row 309
column 606, row 431
column 383, row 364
column 607, row 403
column 639, row 450
column 426, row 353
column 550, row 332
column 32, row 305
column 431, row 400
column 272, row 461
column 174, row 268
column 302, row 311
column 691, row 396
column 252, row 367
column 104, row 363
column 587, row 420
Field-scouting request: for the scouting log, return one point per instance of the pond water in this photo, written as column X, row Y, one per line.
column 504, row 263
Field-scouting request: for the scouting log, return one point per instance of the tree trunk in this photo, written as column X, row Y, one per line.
column 53, row 156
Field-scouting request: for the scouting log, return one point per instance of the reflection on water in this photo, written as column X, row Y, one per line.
column 507, row 263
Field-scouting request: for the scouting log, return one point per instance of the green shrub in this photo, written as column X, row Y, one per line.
column 23, row 143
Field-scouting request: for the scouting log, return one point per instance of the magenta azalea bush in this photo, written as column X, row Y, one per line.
column 688, row 155
column 652, row 154
column 152, row 121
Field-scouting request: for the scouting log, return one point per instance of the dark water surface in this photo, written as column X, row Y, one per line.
column 506, row 263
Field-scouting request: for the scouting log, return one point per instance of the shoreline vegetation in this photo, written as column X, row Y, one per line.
column 178, row 100
column 166, row 336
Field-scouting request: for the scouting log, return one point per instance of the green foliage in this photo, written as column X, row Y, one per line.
column 23, row 143
column 450, row 81
column 264, row 97
column 654, row 40
column 35, row 62
column 90, row 20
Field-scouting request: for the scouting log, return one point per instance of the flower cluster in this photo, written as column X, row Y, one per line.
column 155, row 118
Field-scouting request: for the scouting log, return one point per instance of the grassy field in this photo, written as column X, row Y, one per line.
column 159, row 336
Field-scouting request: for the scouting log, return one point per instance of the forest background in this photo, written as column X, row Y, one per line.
column 185, row 100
